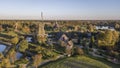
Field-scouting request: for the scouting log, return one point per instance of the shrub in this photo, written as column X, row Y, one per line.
column 114, row 54
column 23, row 46
column 22, row 61
column 79, row 51
column 14, row 40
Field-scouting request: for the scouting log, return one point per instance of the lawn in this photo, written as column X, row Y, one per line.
column 112, row 65
column 76, row 62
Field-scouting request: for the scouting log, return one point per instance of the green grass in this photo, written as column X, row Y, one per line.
column 76, row 62
column 106, row 62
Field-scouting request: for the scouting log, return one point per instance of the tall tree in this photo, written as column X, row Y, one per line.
column 23, row 45
column 1, row 29
column 37, row 60
column 108, row 38
column 12, row 55
column 5, row 63
column 14, row 40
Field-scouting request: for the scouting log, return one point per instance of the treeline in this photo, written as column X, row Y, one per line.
column 29, row 26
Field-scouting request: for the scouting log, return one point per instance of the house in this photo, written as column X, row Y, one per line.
column 63, row 40
column 67, row 43
column 56, row 25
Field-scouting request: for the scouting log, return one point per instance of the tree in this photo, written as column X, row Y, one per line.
column 107, row 38
column 12, row 55
column 79, row 51
column 26, row 29
column 115, row 35
column 23, row 46
column 1, row 29
column 77, row 28
column 90, row 27
column 5, row 63
column 117, row 26
column 41, row 39
column 14, row 40
column 1, row 55
column 92, row 43
column 37, row 59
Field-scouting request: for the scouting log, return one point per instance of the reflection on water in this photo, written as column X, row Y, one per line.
column 29, row 39
column 19, row 55
column 2, row 47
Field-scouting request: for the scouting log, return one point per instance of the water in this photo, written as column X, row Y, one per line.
column 29, row 39
column 2, row 47
column 105, row 27
column 19, row 55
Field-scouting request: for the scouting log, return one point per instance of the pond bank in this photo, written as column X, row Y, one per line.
column 5, row 43
column 2, row 47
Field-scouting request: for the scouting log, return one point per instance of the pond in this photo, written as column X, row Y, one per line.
column 29, row 39
column 19, row 55
column 2, row 47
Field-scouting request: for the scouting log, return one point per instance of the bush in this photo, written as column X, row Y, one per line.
column 14, row 40
column 79, row 51
column 23, row 46
column 22, row 61
column 114, row 54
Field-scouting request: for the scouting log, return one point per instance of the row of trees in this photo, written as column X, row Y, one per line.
column 107, row 38
column 30, row 26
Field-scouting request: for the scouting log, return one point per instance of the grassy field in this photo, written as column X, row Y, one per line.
column 112, row 65
column 76, row 62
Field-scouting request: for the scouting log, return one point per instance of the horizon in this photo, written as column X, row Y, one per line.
column 60, row 10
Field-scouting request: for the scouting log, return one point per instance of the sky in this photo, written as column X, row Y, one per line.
column 60, row 9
